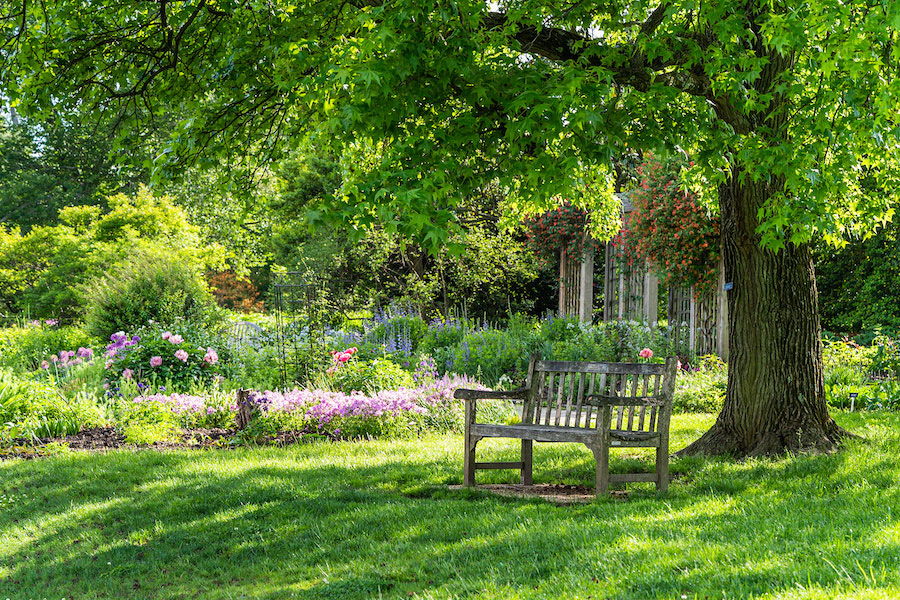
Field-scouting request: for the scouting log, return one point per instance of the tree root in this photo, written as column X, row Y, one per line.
column 718, row 441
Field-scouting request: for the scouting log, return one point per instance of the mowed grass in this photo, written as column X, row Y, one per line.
column 375, row 519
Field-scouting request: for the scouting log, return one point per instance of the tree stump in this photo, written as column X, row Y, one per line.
column 246, row 410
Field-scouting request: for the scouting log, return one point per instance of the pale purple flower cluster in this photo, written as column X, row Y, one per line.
column 323, row 406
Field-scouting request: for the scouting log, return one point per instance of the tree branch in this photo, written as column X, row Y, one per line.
column 627, row 63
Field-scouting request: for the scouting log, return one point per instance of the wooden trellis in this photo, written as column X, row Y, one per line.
column 699, row 325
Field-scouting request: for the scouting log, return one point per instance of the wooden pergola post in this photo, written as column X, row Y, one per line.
column 586, row 297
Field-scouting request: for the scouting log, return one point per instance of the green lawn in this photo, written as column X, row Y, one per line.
column 375, row 519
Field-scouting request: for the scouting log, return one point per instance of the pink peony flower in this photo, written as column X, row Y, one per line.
column 127, row 373
column 211, row 356
column 181, row 355
column 45, row 364
column 345, row 357
column 155, row 361
column 646, row 353
column 176, row 339
column 166, row 335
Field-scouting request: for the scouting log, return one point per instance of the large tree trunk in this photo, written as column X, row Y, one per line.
column 775, row 400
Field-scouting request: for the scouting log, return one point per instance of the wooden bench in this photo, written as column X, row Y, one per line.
column 601, row 405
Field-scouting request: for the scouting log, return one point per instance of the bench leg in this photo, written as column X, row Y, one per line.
column 662, row 467
column 526, row 462
column 601, row 455
column 469, row 461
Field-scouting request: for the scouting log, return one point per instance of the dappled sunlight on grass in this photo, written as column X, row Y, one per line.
column 376, row 518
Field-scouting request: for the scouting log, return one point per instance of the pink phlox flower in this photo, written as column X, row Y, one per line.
column 51, row 322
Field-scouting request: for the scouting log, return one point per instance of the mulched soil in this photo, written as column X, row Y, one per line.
column 556, row 493
column 109, row 438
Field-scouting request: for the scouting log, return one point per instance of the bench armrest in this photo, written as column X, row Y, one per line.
column 470, row 395
column 601, row 400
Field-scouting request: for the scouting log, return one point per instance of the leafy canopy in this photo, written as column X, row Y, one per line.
column 427, row 101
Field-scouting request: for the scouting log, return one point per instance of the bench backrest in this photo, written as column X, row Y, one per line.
column 575, row 394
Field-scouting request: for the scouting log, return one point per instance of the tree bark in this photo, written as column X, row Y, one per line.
column 775, row 402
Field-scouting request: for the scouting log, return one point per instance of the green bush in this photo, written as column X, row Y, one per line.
column 702, row 390
column 183, row 356
column 256, row 368
column 23, row 348
column 145, row 422
column 33, row 409
column 491, row 355
column 150, row 287
column 370, row 376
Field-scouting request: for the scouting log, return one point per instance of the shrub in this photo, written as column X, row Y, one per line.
column 491, row 354
column 32, row 409
column 148, row 288
column 235, row 293
column 703, row 389
column 24, row 348
column 183, row 357
column 370, row 376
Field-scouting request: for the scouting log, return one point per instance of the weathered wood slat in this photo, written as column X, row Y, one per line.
column 614, row 392
column 633, row 436
column 599, row 367
column 580, row 401
column 464, row 394
column 598, row 400
column 644, row 392
column 560, row 398
column 569, row 398
column 634, row 385
column 538, row 433
column 500, row 465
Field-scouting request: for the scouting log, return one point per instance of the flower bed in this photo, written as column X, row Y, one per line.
column 404, row 411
